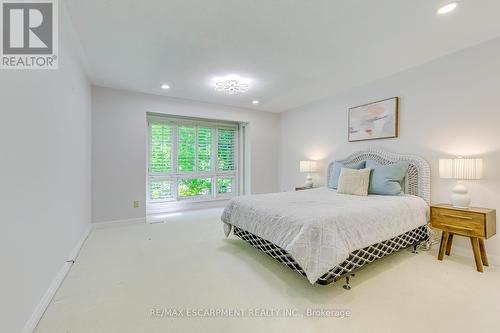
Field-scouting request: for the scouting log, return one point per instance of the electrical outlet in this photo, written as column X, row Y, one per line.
column 136, row 204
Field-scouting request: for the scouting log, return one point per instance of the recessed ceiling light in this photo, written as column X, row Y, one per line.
column 165, row 86
column 255, row 102
column 447, row 8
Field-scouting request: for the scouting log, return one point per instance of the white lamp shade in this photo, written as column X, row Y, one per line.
column 461, row 168
column 308, row 166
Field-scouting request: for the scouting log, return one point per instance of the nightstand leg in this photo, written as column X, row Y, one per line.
column 448, row 244
column 482, row 248
column 477, row 255
column 442, row 247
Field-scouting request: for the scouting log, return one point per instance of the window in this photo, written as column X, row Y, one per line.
column 191, row 159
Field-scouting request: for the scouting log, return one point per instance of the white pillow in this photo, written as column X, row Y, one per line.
column 352, row 181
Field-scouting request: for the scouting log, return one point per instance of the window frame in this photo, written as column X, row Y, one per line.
column 175, row 176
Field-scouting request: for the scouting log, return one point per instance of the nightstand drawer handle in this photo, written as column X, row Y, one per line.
column 457, row 216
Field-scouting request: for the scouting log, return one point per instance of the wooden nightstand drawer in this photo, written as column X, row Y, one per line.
column 459, row 222
column 476, row 222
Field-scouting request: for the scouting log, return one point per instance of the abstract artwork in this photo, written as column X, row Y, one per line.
column 377, row 120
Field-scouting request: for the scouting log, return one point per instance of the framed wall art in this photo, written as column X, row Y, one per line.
column 377, row 120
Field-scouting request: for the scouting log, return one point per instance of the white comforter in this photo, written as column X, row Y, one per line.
column 319, row 227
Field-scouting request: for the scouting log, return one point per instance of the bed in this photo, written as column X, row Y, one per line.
column 326, row 236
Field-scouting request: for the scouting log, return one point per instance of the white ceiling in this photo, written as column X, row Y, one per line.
column 296, row 51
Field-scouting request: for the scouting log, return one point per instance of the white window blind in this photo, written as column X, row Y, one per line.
column 225, row 149
column 186, row 148
column 191, row 159
column 161, row 189
column 205, row 150
column 161, row 144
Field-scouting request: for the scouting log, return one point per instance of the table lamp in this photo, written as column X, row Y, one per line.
column 461, row 169
column 308, row 167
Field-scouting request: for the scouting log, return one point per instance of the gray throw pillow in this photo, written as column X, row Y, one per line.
column 337, row 167
column 354, row 182
column 387, row 179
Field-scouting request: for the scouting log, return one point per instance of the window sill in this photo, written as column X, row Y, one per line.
column 176, row 206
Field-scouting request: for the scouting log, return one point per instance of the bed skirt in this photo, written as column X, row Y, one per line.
column 356, row 259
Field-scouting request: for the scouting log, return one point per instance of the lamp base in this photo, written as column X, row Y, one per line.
column 309, row 181
column 460, row 197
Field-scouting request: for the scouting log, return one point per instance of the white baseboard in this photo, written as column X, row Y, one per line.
column 464, row 249
column 110, row 224
column 467, row 252
column 76, row 251
column 37, row 314
column 181, row 206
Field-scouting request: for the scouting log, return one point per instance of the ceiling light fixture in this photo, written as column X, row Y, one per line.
column 165, row 86
column 231, row 86
column 255, row 102
column 447, row 8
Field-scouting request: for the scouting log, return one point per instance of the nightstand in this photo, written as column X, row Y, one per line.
column 301, row 188
column 476, row 223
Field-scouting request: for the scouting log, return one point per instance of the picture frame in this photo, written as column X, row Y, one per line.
column 375, row 120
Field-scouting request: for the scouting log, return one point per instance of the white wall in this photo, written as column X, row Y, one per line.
column 119, row 144
column 448, row 107
column 44, row 177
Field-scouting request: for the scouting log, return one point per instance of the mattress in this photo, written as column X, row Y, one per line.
column 319, row 227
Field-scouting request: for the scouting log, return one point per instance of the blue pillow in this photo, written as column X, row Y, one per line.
column 387, row 179
column 337, row 167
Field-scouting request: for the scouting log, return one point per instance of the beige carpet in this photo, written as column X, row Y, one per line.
column 124, row 273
